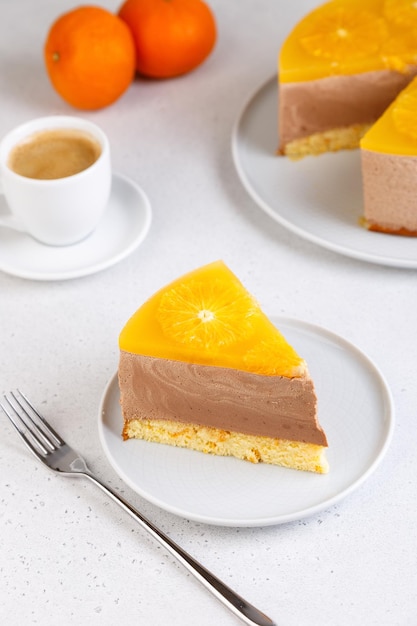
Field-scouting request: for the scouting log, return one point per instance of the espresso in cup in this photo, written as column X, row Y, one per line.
column 55, row 153
column 55, row 175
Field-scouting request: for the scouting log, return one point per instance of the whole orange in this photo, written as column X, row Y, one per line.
column 90, row 57
column 172, row 37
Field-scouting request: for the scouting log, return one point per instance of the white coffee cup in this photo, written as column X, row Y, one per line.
column 58, row 211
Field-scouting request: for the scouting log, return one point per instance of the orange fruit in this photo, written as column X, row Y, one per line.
column 90, row 57
column 172, row 37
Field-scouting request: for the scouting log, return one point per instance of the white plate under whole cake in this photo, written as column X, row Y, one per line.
column 355, row 409
column 319, row 198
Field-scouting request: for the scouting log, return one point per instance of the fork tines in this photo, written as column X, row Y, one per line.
column 30, row 424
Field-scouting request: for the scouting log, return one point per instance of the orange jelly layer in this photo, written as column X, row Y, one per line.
column 396, row 130
column 346, row 37
column 207, row 317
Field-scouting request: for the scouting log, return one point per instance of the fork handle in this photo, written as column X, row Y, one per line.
column 240, row 607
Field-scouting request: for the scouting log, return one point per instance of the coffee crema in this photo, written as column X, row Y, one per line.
column 56, row 153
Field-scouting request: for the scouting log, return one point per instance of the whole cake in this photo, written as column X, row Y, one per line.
column 340, row 68
column 202, row 367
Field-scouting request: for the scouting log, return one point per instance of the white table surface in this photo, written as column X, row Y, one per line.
column 69, row 555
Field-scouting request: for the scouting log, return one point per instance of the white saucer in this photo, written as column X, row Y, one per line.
column 319, row 198
column 124, row 226
column 355, row 410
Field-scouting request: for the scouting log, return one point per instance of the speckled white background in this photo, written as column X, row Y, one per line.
column 68, row 555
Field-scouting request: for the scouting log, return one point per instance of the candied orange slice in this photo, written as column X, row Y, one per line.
column 404, row 113
column 343, row 34
column 274, row 358
column 206, row 313
column 400, row 50
column 207, row 317
column 400, row 12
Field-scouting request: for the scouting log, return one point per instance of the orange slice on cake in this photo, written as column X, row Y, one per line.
column 402, row 13
column 342, row 34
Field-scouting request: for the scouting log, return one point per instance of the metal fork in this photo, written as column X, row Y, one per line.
column 49, row 448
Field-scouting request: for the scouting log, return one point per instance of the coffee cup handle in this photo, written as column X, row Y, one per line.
column 8, row 220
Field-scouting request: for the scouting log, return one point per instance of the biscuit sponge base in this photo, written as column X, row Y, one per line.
column 327, row 141
column 283, row 452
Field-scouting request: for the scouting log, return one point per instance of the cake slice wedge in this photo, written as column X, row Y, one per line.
column 389, row 168
column 202, row 367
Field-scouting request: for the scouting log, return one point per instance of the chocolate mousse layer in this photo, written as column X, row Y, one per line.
column 228, row 399
column 336, row 102
column 389, row 191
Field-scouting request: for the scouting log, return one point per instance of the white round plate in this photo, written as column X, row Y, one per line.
column 319, row 198
column 124, row 226
column 355, row 410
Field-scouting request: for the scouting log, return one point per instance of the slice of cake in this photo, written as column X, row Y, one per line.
column 202, row 367
column 340, row 68
column 389, row 168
